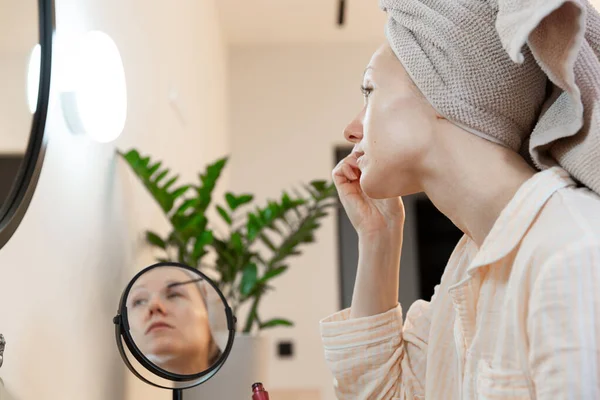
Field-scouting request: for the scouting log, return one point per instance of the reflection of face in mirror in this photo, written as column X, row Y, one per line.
column 19, row 21
column 170, row 311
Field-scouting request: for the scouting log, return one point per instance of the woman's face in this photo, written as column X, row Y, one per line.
column 170, row 325
column 393, row 132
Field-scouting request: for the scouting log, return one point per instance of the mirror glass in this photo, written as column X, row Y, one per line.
column 177, row 320
column 18, row 46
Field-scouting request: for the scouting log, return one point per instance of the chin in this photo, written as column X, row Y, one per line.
column 374, row 189
column 163, row 347
column 386, row 188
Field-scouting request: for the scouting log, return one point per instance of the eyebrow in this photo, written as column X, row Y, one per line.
column 174, row 284
column 171, row 283
column 138, row 287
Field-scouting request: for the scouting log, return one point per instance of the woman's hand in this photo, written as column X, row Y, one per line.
column 379, row 224
column 370, row 217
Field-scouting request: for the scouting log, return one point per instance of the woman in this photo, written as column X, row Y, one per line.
column 517, row 312
column 170, row 322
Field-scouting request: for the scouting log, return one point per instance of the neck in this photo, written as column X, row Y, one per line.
column 186, row 366
column 472, row 191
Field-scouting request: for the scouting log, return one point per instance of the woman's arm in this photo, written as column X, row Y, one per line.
column 378, row 274
column 375, row 357
column 367, row 349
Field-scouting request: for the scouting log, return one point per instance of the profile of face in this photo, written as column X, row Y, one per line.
column 393, row 133
column 169, row 320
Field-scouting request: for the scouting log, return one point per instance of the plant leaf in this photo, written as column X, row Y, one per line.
column 202, row 240
column 170, row 182
column 154, row 168
column 226, row 217
column 231, row 201
column 272, row 274
column 160, row 176
column 208, row 182
column 276, row 322
column 253, row 226
column 309, row 217
column 319, row 185
column 313, row 191
column 155, row 240
column 264, row 238
column 249, row 279
column 192, row 226
column 185, row 206
column 234, row 202
column 145, row 171
column 236, row 242
column 179, row 191
column 244, row 199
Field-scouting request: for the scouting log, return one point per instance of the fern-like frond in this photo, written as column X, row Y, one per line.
column 152, row 176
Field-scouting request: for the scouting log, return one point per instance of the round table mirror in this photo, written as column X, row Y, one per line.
column 174, row 328
column 25, row 64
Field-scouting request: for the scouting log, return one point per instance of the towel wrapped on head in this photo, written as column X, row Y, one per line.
column 521, row 73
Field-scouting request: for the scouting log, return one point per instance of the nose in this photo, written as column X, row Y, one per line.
column 354, row 131
column 155, row 305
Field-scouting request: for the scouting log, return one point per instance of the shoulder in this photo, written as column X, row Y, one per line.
column 577, row 205
column 567, row 230
column 570, row 218
column 579, row 208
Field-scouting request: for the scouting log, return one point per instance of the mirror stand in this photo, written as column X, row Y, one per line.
column 177, row 394
column 168, row 311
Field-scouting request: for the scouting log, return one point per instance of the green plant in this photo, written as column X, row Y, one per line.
column 278, row 228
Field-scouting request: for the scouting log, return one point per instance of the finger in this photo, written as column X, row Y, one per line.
column 343, row 173
column 339, row 177
column 350, row 172
column 338, row 173
column 352, row 159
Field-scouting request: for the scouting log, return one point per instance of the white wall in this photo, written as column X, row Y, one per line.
column 289, row 105
column 62, row 273
column 301, row 21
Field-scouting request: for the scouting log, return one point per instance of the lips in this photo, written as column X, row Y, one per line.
column 358, row 155
column 158, row 325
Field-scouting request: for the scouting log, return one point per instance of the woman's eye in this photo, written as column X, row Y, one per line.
column 366, row 91
column 138, row 302
column 173, row 295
